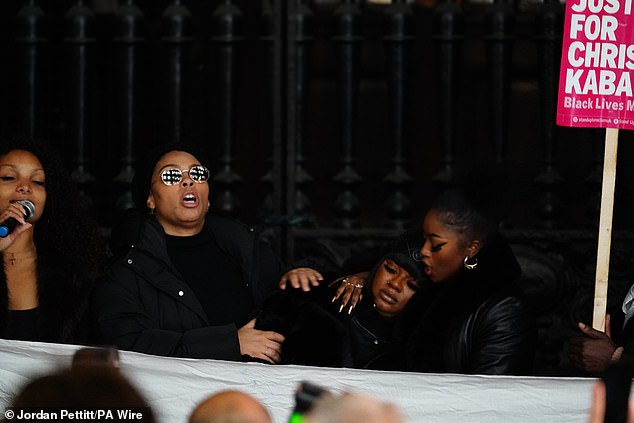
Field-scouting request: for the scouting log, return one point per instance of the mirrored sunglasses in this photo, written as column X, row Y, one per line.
column 198, row 173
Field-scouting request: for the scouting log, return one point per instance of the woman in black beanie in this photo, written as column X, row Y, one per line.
column 371, row 335
column 379, row 325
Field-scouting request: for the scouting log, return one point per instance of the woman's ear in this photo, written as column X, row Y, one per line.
column 150, row 202
column 474, row 247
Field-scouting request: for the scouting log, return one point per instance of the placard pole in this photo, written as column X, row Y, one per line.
column 605, row 229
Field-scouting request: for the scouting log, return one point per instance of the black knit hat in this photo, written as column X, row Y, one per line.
column 405, row 252
column 143, row 176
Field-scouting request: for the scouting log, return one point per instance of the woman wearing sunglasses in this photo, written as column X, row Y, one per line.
column 188, row 282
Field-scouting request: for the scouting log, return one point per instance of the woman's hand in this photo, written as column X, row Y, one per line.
column 349, row 291
column 15, row 211
column 301, row 277
column 265, row 345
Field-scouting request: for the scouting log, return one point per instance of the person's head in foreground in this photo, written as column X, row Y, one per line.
column 352, row 408
column 230, row 407
column 85, row 388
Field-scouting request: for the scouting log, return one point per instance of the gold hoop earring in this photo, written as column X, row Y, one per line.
column 470, row 266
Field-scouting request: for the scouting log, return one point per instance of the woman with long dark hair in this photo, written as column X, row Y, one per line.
column 50, row 262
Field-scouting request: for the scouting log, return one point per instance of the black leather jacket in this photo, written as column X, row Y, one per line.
column 476, row 323
column 371, row 342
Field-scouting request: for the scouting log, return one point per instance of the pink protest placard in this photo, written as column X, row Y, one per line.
column 597, row 65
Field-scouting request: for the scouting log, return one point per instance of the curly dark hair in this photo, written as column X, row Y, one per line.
column 65, row 226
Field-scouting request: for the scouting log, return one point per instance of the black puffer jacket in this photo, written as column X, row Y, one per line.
column 145, row 305
column 476, row 323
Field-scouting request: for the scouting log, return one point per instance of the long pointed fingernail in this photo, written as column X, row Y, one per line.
column 341, row 308
column 333, row 299
column 350, row 309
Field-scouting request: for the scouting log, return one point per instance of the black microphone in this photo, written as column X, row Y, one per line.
column 11, row 223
